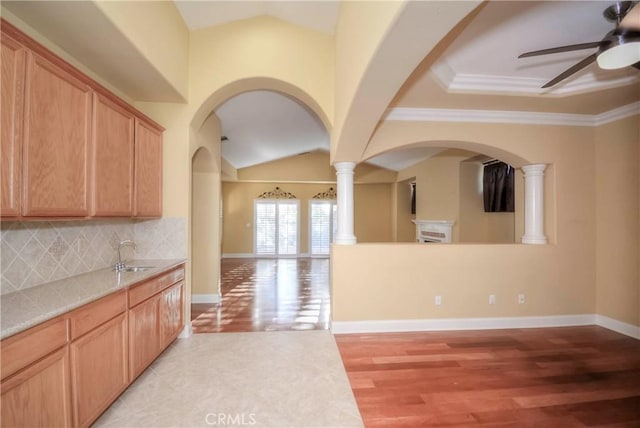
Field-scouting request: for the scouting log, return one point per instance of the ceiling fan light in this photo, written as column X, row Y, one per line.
column 619, row 56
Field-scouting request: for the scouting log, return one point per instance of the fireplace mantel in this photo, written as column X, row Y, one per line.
column 433, row 231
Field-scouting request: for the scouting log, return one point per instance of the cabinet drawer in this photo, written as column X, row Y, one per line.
column 24, row 348
column 90, row 316
column 140, row 293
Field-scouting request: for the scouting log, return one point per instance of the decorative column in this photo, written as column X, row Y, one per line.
column 344, row 173
column 534, row 204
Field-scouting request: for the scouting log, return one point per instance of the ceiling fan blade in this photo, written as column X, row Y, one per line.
column 565, row 48
column 631, row 20
column 571, row 70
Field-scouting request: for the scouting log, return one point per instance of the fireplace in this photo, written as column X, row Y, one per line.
column 433, row 231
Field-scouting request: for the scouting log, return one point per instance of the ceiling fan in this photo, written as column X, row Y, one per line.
column 619, row 48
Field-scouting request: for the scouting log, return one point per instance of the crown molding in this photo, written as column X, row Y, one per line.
column 516, row 117
column 617, row 114
column 454, row 82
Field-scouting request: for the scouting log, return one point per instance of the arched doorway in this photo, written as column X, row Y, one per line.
column 206, row 182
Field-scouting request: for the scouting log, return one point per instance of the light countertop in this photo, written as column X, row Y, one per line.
column 24, row 309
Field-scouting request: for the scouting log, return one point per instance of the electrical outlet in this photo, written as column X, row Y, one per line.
column 520, row 299
column 492, row 299
column 438, row 300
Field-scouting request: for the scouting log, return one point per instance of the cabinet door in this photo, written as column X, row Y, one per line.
column 12, row 88
column 171, row 313
column 56, row 141
column 99, row 369
column 112, row 159
column 148, row 170
column 39, row 396
column 144, row 335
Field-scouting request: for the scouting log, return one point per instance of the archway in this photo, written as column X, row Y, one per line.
column 255, row 84
column 445, row 181
column 206, row 189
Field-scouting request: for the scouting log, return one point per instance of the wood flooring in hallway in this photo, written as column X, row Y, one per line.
column 551, row 377
column 268, row 295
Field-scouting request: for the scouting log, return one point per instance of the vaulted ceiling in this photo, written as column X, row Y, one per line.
column 477, row 69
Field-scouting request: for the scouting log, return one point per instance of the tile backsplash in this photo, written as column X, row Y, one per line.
column 33, row 253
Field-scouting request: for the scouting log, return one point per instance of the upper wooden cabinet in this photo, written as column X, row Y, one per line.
column 112, row 158
column 70, row 147
column 12, row 88
column 148, row 170
column 57, row 141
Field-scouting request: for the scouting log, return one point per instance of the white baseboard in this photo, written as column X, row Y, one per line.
column 618, row 326
column 339, row 327
column 205, row 298
column 186, row 331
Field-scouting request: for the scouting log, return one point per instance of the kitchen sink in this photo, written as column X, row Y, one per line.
column 137, row 268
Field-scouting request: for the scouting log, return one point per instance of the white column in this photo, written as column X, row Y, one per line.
column 344, row 173
column 534, row 204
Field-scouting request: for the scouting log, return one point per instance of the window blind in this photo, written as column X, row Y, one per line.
column 276, row 227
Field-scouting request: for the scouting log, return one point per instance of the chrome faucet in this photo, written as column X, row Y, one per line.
column 120, row 265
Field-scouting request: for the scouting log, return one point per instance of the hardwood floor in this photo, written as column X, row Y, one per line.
column 552, row 377
column 268, row 295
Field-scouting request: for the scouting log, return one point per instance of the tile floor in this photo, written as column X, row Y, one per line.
column 273, row 379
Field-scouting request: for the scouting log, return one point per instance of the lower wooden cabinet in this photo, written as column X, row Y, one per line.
column 99, row 369
column 171, row 312
column 144, row 335
column 65, row 372
column 156, row 317
column 40, row 395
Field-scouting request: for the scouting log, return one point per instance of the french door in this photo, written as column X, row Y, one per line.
column 322, row 226
column 276, row 227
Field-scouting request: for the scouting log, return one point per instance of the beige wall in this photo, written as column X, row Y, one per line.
column 378, row 45
column 38, row 37
column 438, row 188
column 204, row 245
column 405, row 230
column 447, row 190
column 400, row 280
column 140, row 21
column 261, row 53
column 372, row 212
column 312, row 167
column 359, row 31
column 617, row 171
column 472, row 226
column 205, row 210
